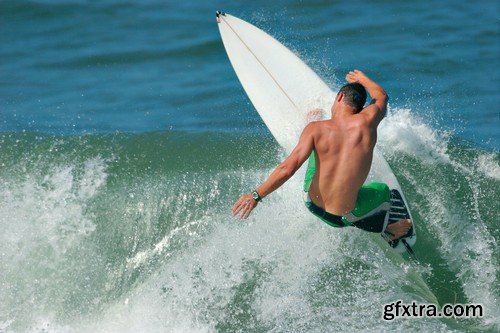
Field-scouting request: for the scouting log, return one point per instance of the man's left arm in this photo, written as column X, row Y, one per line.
column 246, row 203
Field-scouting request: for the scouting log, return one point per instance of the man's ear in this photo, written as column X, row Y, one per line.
column 340, row 97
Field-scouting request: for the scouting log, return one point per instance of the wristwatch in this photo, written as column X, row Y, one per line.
column 256, row 196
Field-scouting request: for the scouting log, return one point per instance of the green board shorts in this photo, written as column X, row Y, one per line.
column 370, row 212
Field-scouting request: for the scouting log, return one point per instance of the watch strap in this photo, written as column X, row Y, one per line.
column 256, row 196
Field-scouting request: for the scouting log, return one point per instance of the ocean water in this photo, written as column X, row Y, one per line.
column 125, row 137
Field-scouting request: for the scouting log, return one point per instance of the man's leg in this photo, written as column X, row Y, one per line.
column 371, row 212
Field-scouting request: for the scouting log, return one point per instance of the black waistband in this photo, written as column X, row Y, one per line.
column 372, row 223
column 332, row 219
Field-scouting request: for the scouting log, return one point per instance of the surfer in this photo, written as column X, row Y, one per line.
column 340, row 152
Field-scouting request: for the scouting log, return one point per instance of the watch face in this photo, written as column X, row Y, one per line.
column 255, row 195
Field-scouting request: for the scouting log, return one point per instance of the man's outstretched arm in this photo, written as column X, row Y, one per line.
column 245, row 204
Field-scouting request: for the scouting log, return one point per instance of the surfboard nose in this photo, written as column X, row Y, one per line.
column 218, row 14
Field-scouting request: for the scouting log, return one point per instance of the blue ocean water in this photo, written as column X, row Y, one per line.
column 72, row 67
column 125, row 137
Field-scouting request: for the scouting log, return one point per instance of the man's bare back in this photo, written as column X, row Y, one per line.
column 344, row 150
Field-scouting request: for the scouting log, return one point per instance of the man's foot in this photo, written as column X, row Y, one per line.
column 314, row 115
column 398, row 229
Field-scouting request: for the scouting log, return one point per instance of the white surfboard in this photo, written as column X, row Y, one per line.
column 283, row 89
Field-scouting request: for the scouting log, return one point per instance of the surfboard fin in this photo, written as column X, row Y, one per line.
column 409, row 249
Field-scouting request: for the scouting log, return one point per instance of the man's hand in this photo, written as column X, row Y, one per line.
column 378, row 105
column 244, row 206
column 356, row 76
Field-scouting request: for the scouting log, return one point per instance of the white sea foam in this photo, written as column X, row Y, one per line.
column 281, row 270
column 464, row 240
column 144, row 256
column 487, row 164
column 49, row 207
column 42, row 217
column 403, row 131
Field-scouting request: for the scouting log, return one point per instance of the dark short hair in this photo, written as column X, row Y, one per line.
column 354, row 95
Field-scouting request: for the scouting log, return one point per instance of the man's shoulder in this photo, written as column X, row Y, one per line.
column 373, row 114
column 363, row 120
column 318, row 123
column 316, row 126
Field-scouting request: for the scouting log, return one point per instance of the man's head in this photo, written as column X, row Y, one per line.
column 352, row 94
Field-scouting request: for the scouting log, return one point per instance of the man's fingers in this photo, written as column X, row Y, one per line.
column 351, row 76
column 246, row 209
column 243, row 207
column 354, row 74
column 236, row 209
column 237, row 206
column 242, row 213
column 246, row 212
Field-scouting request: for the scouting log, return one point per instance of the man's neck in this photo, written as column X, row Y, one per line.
column 343, row 111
